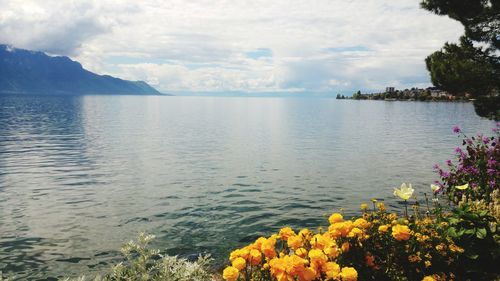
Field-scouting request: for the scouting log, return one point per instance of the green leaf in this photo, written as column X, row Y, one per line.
column 469, row 231
column 473, row 257
column 452, row 232
column 481, row 233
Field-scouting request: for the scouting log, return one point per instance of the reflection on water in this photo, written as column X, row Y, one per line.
column 81, row 175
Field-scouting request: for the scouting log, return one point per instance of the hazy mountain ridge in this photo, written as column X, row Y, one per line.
column 25, row 72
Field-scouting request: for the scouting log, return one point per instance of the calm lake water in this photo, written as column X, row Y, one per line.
column 81, row 175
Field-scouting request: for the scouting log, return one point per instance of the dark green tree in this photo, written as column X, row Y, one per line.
column 461, row 69
column 480, row 18
column 473, row 65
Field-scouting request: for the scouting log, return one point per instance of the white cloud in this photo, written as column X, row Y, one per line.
column 315, row 45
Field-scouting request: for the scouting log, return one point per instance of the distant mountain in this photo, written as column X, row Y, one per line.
column 25, row 72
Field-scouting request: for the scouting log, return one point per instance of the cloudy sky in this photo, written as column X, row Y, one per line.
column 237, row 46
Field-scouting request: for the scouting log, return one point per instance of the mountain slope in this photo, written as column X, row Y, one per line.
column 23, row 71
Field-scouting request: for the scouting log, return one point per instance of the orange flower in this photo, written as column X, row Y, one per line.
column 268, row 248
column 301, row 252
column 370, row 260
column 345, row 247
column 308, row 274
column 285, row 233
column 255, row 257
column 401, row 232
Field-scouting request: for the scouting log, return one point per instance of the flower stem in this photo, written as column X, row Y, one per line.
column 406, row 209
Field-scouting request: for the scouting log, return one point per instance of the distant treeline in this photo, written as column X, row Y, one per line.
column 413, row 94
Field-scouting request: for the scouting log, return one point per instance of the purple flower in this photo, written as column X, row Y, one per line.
column 456, row 129
column 448, row 162
column 458, row 150
column 435, row 167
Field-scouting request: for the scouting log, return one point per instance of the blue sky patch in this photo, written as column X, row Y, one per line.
column 260, row 53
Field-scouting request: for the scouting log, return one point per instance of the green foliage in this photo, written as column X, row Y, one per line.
column 461, row 69
column 144, row 263
column 481, row 18
column 467, row 67
column 476, row 231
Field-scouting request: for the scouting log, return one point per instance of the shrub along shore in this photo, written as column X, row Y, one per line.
column 452, row 234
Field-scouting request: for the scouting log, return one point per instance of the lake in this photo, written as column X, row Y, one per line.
column 81, row 175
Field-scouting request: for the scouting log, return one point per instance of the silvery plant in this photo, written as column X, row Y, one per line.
column 143, row 263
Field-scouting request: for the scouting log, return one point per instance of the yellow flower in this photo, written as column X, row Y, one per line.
column 335, row 218
column 332, row 251
column 440, row 247
column 307, row 274
column 301, row 252
column 434, row 188
column 361, row 223
column 268, row 248
column 317, row 257
column 349, row 274
column 286, row 232
column 294, row 242
column 414, row 258
column 305, row 233
column 429, row 278
column 381, row 206
column 462, row 187
column 255, row 257
column 355, row 232
column 319, row 241
column 364, row 207
column 404, row 192
column 239, row 253
column 332, row 270
column 455, row 248
column 239, row 263
column 427, row 263
column 230, row 273
column 401, row 232
column 383, row 228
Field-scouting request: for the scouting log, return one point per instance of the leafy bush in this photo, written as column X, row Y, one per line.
column 143, row 263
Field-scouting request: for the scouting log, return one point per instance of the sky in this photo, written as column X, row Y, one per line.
column 216, row 46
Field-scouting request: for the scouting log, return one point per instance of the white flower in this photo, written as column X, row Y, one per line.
column 404, row 192
column 434, row 188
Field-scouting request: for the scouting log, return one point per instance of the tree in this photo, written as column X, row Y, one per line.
column 480, row 18
column 473, row 65
column 461, row 69
column 357, row 95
